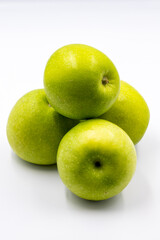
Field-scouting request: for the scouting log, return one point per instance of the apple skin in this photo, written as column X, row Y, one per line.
column 96, row 159
column 130, row 112
column 34, row 128
column 80, row 81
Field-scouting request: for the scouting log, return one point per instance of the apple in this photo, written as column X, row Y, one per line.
column 34, row 128
column 80, row 81
column 130, row 112
column 96, row 159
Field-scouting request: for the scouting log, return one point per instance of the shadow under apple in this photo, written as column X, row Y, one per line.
column 115, row 203
column 23, row 163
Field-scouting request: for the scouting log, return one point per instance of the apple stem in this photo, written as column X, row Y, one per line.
column 97, row 164
column 105, row 80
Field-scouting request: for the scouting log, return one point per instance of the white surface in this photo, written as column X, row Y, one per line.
column 34, row 203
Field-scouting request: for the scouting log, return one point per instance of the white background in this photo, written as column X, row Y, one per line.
column 34, row 203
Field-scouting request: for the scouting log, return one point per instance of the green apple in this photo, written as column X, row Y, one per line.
column 34, row 128
column 130, row 112
column 96, row 159
column 80, row 81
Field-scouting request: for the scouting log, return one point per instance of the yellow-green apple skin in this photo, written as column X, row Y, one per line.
column 130, row 112
column 34, row 128
column 96, row 159
column 80, row 81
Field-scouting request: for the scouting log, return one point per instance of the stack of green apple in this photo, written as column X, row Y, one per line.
column 85, row 119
